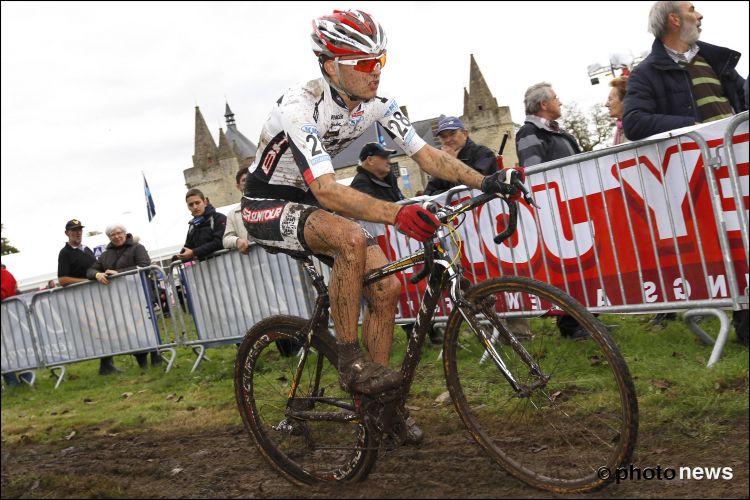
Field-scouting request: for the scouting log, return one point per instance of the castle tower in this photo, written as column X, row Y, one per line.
column 214, row 168
column 246, row 147
column 484, row 119
column 206, row 152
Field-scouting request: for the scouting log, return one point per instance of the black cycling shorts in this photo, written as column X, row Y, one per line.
column 279, row 226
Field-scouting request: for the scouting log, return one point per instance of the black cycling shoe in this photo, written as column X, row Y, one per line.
column 367, row 377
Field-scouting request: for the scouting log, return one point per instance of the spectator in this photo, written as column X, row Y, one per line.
column 8, row 285
column 614, row 104
column 374, row 174
column 683, row 81
column 235, row 235
column 122, row 254
column 456, row 142
column 206, row 228
column 541, row 140
column 74, row 261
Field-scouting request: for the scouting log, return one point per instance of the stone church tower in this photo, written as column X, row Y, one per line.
column 485, row 120
column 215, row 167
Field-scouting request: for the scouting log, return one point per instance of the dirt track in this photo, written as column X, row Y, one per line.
column 224, row 463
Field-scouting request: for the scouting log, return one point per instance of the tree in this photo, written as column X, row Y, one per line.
column 7, row 248
column 591, row 132
column 93, row 233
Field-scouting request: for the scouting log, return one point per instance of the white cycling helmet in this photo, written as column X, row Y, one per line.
column 346, row 33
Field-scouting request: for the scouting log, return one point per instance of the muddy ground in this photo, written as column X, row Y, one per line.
column 222, row 462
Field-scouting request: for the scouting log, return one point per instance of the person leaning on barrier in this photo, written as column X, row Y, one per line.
column 374, row 174
column 541, row 140
column 122, row 254
column 614, row 104
column 8, row 285
column 73, row 263
column 683, row 81
column 456, row 143
column 206, row 228
column 235, row 235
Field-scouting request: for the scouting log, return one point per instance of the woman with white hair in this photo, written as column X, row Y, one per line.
column 122, row 254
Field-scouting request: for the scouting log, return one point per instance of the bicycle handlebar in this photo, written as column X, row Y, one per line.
column 447, row 213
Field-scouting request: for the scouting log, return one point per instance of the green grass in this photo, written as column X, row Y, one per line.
column 694, row 399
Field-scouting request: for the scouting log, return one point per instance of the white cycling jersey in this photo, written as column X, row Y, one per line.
column 309, row 124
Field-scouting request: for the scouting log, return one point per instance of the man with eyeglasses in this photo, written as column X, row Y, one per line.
column 291, row 189
column 74, row 261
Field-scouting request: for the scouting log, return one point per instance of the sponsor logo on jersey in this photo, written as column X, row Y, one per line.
column 393, row 107
column 358, row 113
column 331, row 133
column 337, row 117
column 264, row 215
column 354, row 121
column 309, row 129
column 319, row 159
column 273, row 152
column 409, row 136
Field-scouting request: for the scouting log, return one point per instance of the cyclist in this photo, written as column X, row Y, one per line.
column 291, row 191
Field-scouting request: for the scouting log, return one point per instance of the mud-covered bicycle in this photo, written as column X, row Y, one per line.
column 550, row 410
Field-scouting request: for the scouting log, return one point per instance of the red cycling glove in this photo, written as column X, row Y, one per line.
column 416, row 222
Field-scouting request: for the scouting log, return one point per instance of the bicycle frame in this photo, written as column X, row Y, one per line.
column 444, row 274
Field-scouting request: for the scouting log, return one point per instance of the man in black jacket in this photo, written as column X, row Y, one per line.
column 541, row 139
column 374, row 174
column 683, row 81
column 206, row 229
column 456, row 142
column 74, row 261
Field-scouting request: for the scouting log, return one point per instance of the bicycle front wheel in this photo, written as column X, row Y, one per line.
column 304, row 450
column 576, row 411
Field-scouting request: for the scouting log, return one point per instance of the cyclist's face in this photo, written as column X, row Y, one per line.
column 355, row 82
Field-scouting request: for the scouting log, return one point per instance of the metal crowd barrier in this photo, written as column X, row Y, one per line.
column 229, row 292
column 87, row 320
column 564, row 180
column 20, row 353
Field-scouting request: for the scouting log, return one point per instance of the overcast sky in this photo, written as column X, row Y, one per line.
column 95, row 93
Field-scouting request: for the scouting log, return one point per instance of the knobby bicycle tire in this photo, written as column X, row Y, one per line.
column 261, row 381
column 584, row 418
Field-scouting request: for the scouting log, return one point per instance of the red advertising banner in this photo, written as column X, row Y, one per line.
column 612, row 231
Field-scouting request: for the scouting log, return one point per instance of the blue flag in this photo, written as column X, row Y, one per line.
column 149, row 201
column 381, row 139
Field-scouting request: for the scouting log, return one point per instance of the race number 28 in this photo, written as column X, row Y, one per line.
column 394, row 124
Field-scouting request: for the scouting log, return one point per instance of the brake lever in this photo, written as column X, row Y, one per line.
column 429, row 247
column 520, row 186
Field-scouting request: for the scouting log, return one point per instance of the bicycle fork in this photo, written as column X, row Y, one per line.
column 467, row 311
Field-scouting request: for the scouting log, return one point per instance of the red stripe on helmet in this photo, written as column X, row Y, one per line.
column 371, row 20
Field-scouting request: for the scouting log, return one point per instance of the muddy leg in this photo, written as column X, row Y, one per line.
column 381, row 299
column 345, row 241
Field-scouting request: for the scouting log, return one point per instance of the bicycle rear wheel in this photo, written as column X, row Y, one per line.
column 560, row 432
column 304, row 451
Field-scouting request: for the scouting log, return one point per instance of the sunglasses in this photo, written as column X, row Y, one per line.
column 365, row 65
